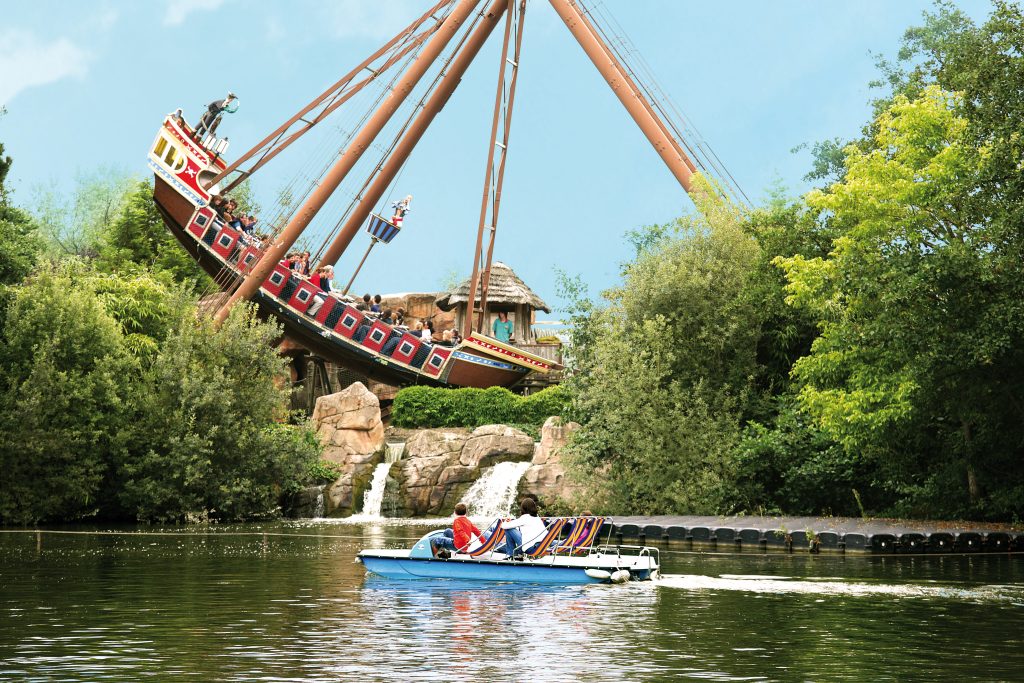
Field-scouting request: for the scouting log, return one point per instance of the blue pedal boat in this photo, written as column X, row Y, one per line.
column 569, row 562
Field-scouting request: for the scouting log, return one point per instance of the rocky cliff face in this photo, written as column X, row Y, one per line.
column 349, row 425
column 546, row 478
column 439, row 465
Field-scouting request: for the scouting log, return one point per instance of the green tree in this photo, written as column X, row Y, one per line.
column 665, row 367
column 918, row 365
column 72, row 222
column 136, row 240
column 62, row 372
column 20, row 244
column 204, row 436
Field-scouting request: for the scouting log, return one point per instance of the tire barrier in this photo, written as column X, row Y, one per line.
column 912, row 542
column 828, row 540
column 940, row 542
column 996, row 542
column 809, row 540
column 725, row 535
column 751, row 537
column 882, row 543
column 968, row 542
column 855, row 542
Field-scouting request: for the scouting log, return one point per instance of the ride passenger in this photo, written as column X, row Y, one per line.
column 524, row 533
column 376, row 307
column 214, row 111
column 459, row 538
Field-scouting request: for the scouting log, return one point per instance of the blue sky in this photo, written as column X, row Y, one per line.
column 86, row 85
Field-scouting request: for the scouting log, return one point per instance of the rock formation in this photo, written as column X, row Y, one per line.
column 441, row 464
column 349, row 426
column 546, row 477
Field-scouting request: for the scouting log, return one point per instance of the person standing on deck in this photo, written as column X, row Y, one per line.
column 214, row 110
column 502, row 328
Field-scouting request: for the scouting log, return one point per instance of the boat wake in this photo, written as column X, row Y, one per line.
column 830, row 587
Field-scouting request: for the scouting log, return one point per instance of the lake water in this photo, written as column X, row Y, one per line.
column 286, row 602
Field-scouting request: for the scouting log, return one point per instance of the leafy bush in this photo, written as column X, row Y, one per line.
column 203, row 439
column 63, row 369
column 439, row 407
column 323, row 471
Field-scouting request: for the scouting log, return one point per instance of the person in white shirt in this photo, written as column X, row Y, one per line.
column 523, row 533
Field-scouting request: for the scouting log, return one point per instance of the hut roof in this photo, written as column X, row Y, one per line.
column 505, row 288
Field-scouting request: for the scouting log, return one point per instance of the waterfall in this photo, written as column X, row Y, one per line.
column 493, row 494
column 373, row 499
column 394, row 451
column 318, row 508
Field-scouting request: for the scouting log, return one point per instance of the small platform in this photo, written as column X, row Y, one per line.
column 821, row 534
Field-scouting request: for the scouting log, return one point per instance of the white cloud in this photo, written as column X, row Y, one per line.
column 26, row 61
column 178, row 10
column 362, row 19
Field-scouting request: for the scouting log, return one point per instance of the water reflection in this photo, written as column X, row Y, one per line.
column 281, row 602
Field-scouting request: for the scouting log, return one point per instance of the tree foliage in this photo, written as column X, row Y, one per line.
column 665, row 367
column 204, row 436
column 62, row 371
column 137, row 241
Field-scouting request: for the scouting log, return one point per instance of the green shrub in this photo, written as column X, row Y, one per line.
column 440, row 407
column 204, row 440
column 63, row 371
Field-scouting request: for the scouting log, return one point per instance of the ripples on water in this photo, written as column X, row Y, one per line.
column 287, row 602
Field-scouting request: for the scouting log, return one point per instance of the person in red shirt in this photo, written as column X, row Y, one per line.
column 458, row 538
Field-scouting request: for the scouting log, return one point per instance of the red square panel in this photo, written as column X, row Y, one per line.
column 277, row 279
column 349, row 322
column 225, row 241
column 436, row 360
column 378, row 334
column 406, row 349
column 302, row 297
column 200, row 222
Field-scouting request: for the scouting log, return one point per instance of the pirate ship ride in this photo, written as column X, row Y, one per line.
column 190, row 169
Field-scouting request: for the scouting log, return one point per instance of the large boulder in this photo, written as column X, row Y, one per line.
column 440, row 465
column 492, row 444
column 349, row 426
column 428, row 454
column 546, row 477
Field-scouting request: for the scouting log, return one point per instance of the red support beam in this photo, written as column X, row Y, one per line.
column 450, row 81
column 360, row 143
column 630, row 97
column 271, row 139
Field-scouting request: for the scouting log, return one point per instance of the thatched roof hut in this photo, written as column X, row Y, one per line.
column 505, row 292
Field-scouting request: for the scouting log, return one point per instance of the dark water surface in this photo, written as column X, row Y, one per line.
column 286, row 602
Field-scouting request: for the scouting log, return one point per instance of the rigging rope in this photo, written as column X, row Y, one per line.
column 397, row 137
column 640, row 71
